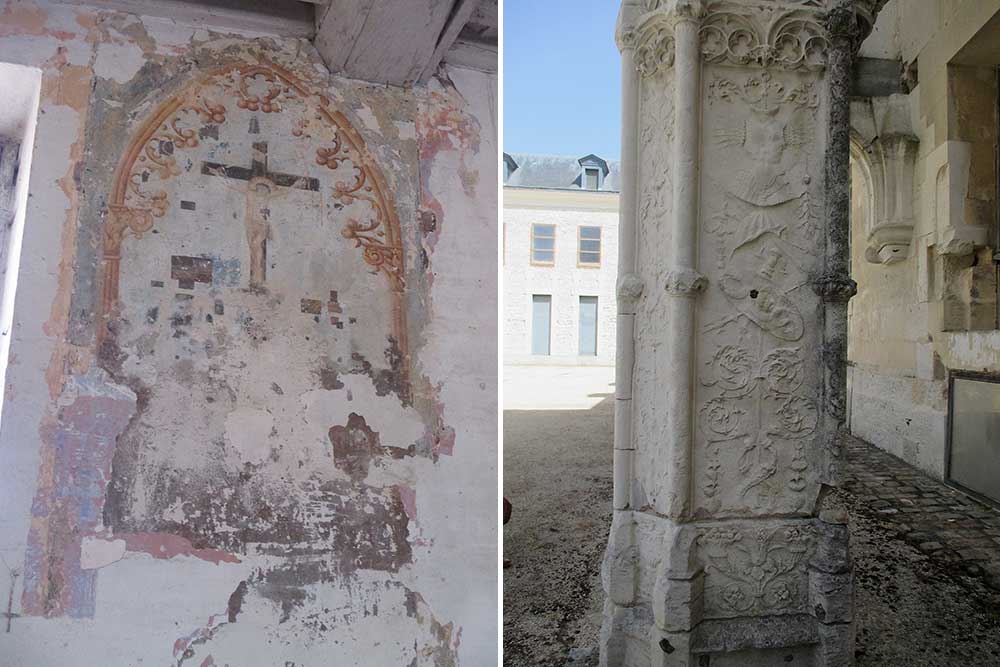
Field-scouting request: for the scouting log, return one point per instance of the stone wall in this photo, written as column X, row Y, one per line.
column 565, row 281
column 916, row 319
column 248, row 416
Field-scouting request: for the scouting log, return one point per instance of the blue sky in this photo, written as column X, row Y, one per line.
column 562, row 77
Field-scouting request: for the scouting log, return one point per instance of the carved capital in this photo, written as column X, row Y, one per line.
column 835, row 288
column 685, row 282
column 683, row 9
column 630, row 287
column 852, row 20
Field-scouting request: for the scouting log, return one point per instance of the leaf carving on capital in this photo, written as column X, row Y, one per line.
column 655, row 49
column 685, row 282
column 758, row 571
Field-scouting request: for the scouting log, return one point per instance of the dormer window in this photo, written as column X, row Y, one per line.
column 509, row 167
column 593, row 172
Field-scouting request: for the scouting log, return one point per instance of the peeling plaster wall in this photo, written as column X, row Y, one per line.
column 248, row 418
column 915, row 320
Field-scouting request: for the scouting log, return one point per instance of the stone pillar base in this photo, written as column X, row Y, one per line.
column 743, row 592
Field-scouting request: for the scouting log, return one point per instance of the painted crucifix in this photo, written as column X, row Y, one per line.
column 262, row 187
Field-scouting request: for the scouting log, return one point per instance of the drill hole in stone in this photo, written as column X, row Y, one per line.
column 754, row 293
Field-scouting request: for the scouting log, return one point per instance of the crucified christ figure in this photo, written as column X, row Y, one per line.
column 262, row 187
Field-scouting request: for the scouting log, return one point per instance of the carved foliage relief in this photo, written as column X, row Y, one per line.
column 755, row 571
column 654, row 210
column 758, row 380
column 785, row 35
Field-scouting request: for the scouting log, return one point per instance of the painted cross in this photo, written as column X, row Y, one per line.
column 261, row 189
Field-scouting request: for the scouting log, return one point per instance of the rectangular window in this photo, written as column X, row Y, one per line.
column 593, row 178
column 543, row 244
column 589, row 246
column 588, row 326
column 541, row 323
column 975, row 434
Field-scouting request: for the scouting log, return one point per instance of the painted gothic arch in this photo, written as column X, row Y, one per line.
column 179, row 123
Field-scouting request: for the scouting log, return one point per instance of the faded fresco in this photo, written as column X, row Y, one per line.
column 244, row 413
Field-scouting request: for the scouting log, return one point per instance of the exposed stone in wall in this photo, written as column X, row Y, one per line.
column 242, row 413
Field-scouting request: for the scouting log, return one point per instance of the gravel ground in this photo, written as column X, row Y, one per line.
column 557, row 474
column 914, row 609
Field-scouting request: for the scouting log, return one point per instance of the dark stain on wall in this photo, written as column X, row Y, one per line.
column 190, row 270
column 356, row 446
column 386, row 380
column 235, row 604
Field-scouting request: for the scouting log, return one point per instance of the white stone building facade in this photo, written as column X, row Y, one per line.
column 565, row 284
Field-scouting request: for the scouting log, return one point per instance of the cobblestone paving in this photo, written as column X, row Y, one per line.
column 926, row 566
column 941, row 522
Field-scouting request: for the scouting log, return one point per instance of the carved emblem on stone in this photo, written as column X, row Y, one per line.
column 765, row 134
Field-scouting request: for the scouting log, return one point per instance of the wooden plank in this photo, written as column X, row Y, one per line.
column 474, row 55
column 338, row 26
column 396, row 40
column 459, row 17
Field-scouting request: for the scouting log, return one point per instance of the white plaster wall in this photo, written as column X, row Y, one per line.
column 458, row 571
column 565, row 281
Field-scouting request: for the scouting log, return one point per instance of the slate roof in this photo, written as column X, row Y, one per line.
column 558, row 172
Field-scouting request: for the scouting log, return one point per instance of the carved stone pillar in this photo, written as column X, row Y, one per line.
column 732, row 334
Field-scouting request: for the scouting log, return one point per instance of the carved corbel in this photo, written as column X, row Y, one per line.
column 886, row 147
column 893, row 160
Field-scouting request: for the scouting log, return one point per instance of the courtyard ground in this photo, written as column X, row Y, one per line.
column 927, row 558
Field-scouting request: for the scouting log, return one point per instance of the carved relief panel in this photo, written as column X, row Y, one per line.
column 756, row 571
column 757, row 377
